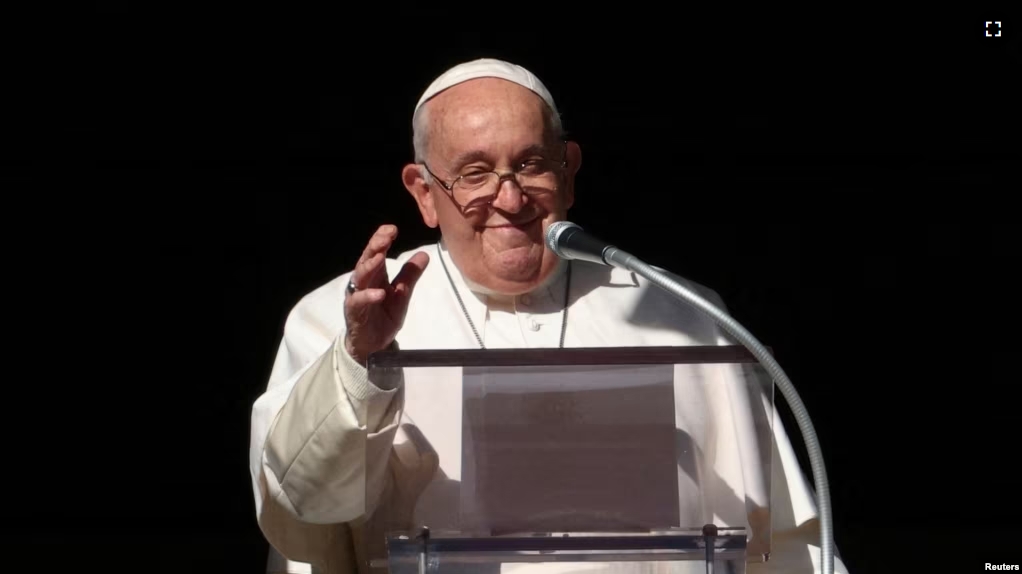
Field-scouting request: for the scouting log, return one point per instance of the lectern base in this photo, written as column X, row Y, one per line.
column 722, row 551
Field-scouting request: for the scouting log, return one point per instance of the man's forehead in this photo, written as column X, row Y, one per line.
column 487, row 130
column 489, row 116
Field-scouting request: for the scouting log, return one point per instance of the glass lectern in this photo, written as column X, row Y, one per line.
column 648, row 459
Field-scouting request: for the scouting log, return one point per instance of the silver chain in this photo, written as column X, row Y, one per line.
column 564, row 312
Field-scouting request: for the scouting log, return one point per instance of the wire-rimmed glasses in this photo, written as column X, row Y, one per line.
column 535, row 176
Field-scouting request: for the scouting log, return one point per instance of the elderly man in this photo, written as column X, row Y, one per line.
column 329, row 455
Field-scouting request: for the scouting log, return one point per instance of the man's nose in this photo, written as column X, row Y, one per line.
column 509, row 196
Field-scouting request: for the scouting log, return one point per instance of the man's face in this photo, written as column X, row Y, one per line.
column 490, row 124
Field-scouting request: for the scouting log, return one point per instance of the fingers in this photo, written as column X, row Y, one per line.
column 363, row 299
column 367, row 271
column 373, row 258
column 380, row 241
column 357, row 306
column 375, row 314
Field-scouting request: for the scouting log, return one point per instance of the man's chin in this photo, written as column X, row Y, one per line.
column 523, row 267
column 517, row 270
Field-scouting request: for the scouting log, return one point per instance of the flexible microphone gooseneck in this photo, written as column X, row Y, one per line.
column 568, row 241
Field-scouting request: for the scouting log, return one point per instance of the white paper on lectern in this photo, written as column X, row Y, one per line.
column 568, row 449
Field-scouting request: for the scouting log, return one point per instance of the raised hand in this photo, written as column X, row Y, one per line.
column 375, row 312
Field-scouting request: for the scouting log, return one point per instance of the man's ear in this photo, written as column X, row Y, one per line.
column 574, row 157
column 413, row 177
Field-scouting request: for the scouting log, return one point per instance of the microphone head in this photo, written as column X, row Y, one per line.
column 553, row 235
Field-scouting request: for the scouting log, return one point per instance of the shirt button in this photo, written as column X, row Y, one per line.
column 534, row 325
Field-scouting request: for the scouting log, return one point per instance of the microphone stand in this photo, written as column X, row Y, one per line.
column 659, row 277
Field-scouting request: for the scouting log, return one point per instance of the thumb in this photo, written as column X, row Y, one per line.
column 410, row 273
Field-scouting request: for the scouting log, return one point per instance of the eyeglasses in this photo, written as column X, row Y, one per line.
column 536, row 176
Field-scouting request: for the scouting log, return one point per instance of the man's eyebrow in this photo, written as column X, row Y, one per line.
column 538, row 149
column 478, row 155
column 469, row 157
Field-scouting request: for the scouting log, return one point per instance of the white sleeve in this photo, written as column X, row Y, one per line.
column 313, row 431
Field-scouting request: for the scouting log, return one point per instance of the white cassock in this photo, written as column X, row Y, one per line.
column 329, row 449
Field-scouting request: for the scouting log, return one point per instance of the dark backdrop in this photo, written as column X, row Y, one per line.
column 843, row 182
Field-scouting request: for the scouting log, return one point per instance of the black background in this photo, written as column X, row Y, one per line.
column 179, row 179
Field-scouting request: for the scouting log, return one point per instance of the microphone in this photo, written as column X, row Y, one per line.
column 569, row 241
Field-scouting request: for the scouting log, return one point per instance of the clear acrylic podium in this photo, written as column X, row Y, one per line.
column 646, row 459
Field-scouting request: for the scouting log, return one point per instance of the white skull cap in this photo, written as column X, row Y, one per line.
column 487, row 68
